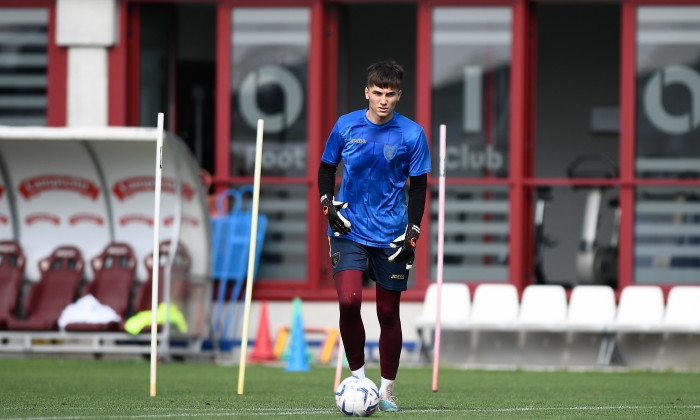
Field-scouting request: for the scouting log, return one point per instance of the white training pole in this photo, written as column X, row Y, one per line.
column 339, row 364
column 156, row 255
column 440, row 255
column 251, row 255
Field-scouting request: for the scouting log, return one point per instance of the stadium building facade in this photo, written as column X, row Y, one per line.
column 572, row 127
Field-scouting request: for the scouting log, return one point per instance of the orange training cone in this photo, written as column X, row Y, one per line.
column 263, row 349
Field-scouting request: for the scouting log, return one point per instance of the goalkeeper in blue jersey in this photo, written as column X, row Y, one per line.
column 370, row 221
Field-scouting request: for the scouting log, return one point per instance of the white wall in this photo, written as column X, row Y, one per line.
column 88, row 28
column 87, row 87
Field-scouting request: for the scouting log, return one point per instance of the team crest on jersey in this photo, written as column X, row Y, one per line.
column 389, row 152
column 335, row 258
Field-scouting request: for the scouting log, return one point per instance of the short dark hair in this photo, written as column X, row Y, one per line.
column 385, row 74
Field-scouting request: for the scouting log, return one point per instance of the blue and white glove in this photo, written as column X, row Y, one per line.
column 407, row 246
column 331, row 209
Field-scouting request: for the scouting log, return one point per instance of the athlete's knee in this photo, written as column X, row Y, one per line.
column 349, row 304
column 388, row 315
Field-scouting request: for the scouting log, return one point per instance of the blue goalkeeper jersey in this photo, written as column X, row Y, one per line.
column 377, row 161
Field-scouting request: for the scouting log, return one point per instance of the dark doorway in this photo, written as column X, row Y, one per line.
column 176, row 70
column 360, row 44
column 577, row 128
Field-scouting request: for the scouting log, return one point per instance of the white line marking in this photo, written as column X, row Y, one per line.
column 218, row 412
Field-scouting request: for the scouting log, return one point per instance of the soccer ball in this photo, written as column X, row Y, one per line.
column 357, row 397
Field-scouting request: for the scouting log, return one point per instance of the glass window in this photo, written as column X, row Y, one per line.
column 284, row 207
column 269, row 62
column 357, row 49
column 23, row 66
column 667, row 235
column 470, row 88
column 576, row 231
column 282, row 257
column 476, row 234
column 668, row 92
column 577, row 102
column 269, row 79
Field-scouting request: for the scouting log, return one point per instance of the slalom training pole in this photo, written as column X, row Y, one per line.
column 156, row 254
column 251, row 255
column 339, row 364
column 440, row 255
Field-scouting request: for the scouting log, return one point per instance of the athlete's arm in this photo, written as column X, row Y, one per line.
column 326, row 179
column 331, row 208
column 416, row 204
column 416, row 198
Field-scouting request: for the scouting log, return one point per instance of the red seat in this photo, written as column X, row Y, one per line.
column 11, row 272
column 178, row 279
column 61, row 274
column 114, row 272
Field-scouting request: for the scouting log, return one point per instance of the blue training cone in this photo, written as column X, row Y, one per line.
column 297, row 344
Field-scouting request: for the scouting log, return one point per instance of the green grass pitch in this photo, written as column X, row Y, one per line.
column 51, row 388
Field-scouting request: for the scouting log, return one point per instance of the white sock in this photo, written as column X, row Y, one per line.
column 359, row 372
column 386, row 384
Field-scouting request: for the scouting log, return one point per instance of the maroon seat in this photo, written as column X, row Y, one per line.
column 11, row 272
column 113, row 281
column 61, row 274
column 178, row 279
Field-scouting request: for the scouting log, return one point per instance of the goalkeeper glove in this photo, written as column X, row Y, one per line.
column 407, row 246
column 331, row 209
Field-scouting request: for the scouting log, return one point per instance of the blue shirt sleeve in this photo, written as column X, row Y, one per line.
column 420, row 156
column 333, row 152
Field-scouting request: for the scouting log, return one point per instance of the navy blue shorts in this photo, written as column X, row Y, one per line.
column 349, row 255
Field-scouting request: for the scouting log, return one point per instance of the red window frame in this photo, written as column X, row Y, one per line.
column 628, row 180
column 322, row 113
column 309, row 288
column 57, row 69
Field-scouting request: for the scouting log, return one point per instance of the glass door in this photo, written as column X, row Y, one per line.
column 576, row 148
column 356, row 49
column 269, row 60
column 471, row 95
column 172, row 58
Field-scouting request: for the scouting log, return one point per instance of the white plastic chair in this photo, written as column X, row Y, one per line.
column 591, row 308
column 682, row 310
column 454, row 311
column 641, row 309
column 542, row 307
column 495, row 307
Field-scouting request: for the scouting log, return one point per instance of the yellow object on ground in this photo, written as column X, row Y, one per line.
column 138, row 322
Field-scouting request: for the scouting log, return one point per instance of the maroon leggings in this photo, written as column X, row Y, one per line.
column 348, row 284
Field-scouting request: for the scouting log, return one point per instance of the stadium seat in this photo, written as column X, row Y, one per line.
column 11, row 272
column 113, row 282
column 495, row 306
column 542, row 307
column 682, row 310
column 634, row 334
column 61, row 275
column 641, row 309
column 591, row 308
column 454, row 311
column 179, row 274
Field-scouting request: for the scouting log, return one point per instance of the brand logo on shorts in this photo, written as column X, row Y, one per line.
column 397, row 277
column 389, row 152
column 335, row 258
